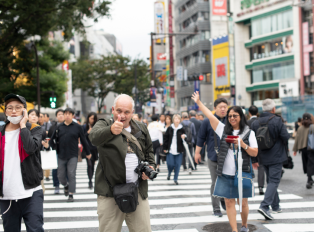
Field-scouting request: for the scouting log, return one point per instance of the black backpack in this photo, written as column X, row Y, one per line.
column 188, row 132
column 264, row 140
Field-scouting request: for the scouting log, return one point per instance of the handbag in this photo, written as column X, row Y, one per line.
column 247, row 177
column 126, row 195
column 49, row 159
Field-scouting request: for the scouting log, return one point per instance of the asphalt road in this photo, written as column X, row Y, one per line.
column 183, row 208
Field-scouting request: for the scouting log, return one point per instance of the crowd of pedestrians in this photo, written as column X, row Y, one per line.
column 127, row 142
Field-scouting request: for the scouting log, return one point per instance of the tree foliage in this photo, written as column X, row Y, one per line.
column 111, row 73
column 19, row 20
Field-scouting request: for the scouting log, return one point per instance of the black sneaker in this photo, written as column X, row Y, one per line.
column 168, row 177
column 90, row 185
column 217, row 213
column 158, row 170
column 66, row 190
column 308, row 185
column 176, row 182
column 261, row 190
column 223, row 204
column 47, row 179
column 70, row 199
column 265, row 213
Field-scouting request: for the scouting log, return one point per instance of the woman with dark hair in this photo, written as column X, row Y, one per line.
column 87, row 127
column 300, row 144
column 226, row 169
column 168, row 121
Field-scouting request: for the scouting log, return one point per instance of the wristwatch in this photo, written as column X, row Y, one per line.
column 246, row 147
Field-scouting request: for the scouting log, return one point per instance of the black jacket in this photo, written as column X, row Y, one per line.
column 168, row 139
column 278, row 131
column 30, row 143
column 197, row 125
column 249, row 122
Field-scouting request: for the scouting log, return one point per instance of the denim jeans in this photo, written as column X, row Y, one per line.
column 174, row 162
column 67, row 173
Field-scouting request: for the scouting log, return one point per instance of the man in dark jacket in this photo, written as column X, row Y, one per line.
column 197, row 125
column 118, row 158
column 272, row 158
column 253, row 111
column 207, row 135
column 52, row 129
column 20, row 189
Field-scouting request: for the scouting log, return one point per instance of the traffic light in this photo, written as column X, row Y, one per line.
column 195, row 77
column 53, row 103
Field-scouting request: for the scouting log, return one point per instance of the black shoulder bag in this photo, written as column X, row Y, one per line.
column 126, row 195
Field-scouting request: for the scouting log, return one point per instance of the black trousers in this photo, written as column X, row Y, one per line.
column 156, row 148
column 304, row 159
column 31, row 209
column 310, row 163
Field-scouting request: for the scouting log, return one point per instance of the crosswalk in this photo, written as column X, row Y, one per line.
column 174, row 208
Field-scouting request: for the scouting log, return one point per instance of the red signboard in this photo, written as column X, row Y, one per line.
column 221, row 70
column 161, row 56
column 219, row 7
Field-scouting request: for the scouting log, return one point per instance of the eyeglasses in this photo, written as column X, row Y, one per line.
column 233, row 116
column 17, row 108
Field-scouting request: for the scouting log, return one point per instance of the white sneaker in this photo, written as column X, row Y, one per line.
column 190, row 171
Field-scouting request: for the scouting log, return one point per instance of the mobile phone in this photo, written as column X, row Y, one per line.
column 47, row 139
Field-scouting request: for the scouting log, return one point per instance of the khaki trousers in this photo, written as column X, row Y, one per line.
column 47, row 173
column 111, row 218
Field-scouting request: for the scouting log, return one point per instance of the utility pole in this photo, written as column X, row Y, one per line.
column 38, row 84
column 152, row 63
column 135, row 77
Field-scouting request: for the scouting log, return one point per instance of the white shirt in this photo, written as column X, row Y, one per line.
column 13, row 187
column 155, row 131
column 173, row 146
column 131, row 162
column 229, row 165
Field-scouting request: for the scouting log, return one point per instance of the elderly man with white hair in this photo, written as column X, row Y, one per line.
column 273, row 157
column 122, row 144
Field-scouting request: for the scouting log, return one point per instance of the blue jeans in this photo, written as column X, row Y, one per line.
column 174, row 162
column 273, row 175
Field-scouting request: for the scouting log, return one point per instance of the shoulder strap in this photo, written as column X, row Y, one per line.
column 216, row 143
column 132, row 138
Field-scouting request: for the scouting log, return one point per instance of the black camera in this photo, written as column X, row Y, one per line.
column 144, row 167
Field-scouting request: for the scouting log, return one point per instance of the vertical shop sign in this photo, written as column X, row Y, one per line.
column 307, row 48
column 219, row 7
column 159, row 22
column 171, row 51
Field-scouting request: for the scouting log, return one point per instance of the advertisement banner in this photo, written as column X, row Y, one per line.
column 221, row 70
column 153, row 96
column 219, row 7
column 159, row 19
column 307, row 48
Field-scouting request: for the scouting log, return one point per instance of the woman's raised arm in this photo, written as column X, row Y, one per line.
column 212, row 119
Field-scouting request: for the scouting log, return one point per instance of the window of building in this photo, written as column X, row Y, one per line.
column 275, row 47
column 194, row 17
column 203, row 16
column 272, row 23
column 276, row 71
column 205, row 56
column 263, row 94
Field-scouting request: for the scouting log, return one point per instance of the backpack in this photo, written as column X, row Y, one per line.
column 264, row 140
column 188, row 132
column 310, row 138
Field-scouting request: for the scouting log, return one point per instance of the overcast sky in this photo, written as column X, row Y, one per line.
column 131, row 22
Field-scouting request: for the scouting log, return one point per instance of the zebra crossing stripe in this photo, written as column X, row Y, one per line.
column 171, row 210
column 304, row 227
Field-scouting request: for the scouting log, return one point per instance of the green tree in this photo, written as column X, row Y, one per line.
column 111, row 73
column 19, row 20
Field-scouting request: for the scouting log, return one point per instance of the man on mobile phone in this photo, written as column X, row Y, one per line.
column 21, row 194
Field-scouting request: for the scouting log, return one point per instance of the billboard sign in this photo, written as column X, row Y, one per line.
column 159, row 19
column 179, row 73
column 219, row 7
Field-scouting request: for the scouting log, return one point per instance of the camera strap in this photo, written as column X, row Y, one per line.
column 132, row 138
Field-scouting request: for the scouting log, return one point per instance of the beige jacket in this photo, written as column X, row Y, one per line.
column 301, row 138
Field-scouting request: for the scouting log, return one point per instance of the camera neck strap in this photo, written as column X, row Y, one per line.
column 131, row 138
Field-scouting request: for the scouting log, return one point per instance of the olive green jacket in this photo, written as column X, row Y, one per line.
column 112, row 151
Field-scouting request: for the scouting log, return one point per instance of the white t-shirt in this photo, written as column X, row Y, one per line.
column 131, row 162
column 13, row 187
column 229, row 165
